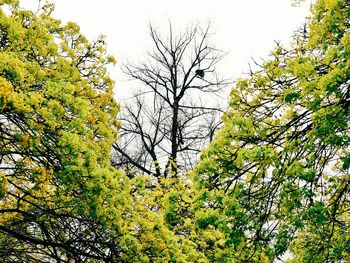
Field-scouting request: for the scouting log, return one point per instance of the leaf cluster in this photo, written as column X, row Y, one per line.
column 282, row 156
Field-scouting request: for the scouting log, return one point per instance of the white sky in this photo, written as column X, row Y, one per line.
column 244, row 28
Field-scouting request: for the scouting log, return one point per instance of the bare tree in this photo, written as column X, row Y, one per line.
column 177, row 108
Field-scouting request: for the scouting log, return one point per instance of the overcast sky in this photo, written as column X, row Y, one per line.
column 243, row 28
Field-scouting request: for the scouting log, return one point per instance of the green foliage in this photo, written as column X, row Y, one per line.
column 59, row 197
column 274, row 179
column 281, row 161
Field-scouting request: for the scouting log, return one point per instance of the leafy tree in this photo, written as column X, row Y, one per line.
column 276, row 176
column 165, row 125
column 175, row 111
column 60, row 200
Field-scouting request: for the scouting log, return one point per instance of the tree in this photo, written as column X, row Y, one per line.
column 276, row 176
column 164, row 127
column 60, row 200
column 175, row 112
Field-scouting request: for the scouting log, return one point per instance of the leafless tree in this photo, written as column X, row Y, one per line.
column 176, row 110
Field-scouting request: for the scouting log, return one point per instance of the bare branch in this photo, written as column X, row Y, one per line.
column 175, row 111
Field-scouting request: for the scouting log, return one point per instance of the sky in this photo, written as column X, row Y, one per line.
column 245, row 29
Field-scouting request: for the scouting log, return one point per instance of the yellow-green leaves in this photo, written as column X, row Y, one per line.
column 3, row 185
column 282, row 155
column 59, row 196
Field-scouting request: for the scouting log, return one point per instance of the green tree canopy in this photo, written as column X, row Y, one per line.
column 276, row 177
column 57, row 125
column 60, row 199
